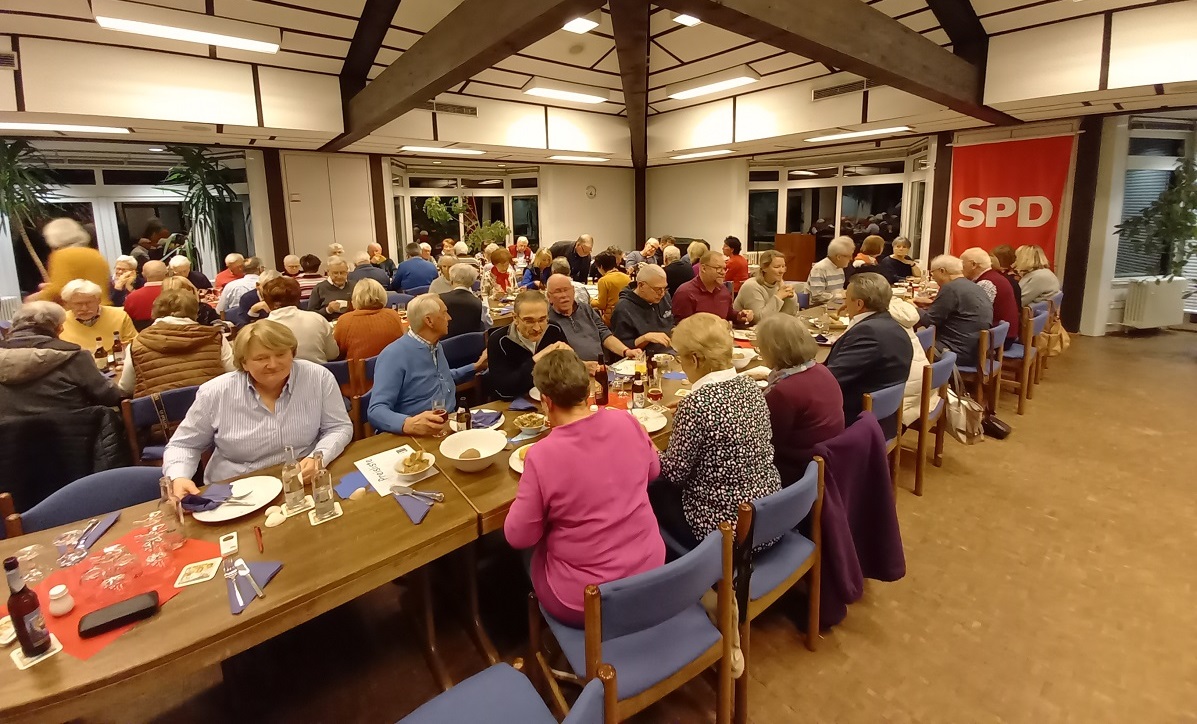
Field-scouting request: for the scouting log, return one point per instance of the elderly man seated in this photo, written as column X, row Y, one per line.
column 334, row 296
column 87, row 320
column 233, row 269
column 230, row 297
column 442, row 284
column 180, row 266
column 380, row 261
column 826, row 280
column 708, row 293
column 643, row 317
column 414, row 271
column 960, row 310
column 41, row 373
column 648, row 256
column 585, row 331
column 464, row 306
column 516, row 349
column 577, row 253
column 977, row 266
column 363, row 269
column 292, row 266
column 875, row 351
column 139, row 304
column 413, row 373
column 677, row 271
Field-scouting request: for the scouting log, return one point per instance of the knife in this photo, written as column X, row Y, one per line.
column 243, row 570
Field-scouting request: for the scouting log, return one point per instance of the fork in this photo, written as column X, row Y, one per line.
column 426, row 496
column 231, row 574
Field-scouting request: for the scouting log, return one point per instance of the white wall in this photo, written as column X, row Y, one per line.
column 707, row 200
column 566, row 211
column 328, row 200
column 1103, row 239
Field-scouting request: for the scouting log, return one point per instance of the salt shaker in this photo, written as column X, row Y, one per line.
column 61, row 601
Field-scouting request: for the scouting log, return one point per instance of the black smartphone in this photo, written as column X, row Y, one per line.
column 118, row 614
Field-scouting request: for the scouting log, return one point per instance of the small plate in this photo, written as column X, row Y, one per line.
column 652, row 420
column 262, row 489
column 514, row 461
column 8, row 633
column 534, row 394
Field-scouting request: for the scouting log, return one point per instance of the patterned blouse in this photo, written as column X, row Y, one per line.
column 720, row 452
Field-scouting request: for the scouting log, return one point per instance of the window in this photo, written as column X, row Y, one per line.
column 874, row 168
column 436, row 231
column 428, row 182
column 525, row 219
column 763, row 175
column 1174, row 147
column 872, row 209
column 73, row 176
column 762, row 219
column 523, row 183
column 806, row 206
column 918, row 197
column 799, row 174
column 1143, row 186
column 483, row 183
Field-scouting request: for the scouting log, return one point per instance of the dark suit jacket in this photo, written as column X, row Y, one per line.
column 510, row 373
column 873, row 354
column 465, row 312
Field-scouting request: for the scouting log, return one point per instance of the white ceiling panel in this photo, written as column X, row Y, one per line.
column 286, row 17
column 785, row 61
column 89, row 32
column 283, row 59
column 1050, row 13
column 191, row 6
column 546, row 69
column 794, row 75
column 939, row 36
column 699, row 41
column 61, row 8
column 304, row 43
column 723, row 61
column 396, row 38
column 661, row 21
column 514, row 94
column 573, row 48
column 421, row 15
column 503, row 77
column 658, row 59
column 921, row 21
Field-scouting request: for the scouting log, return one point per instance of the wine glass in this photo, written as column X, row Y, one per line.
column 440, row 406
column 31, row 560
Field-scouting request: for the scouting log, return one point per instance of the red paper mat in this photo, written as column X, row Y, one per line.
column 66, row 628
column 742, row 343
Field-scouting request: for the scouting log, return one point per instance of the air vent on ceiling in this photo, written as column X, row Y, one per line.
column 856, row 86
column 8, row 60
column 450, row 108
column 1160, row 124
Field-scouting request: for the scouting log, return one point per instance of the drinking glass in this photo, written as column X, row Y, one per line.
column 440, row 407
column 34, row 567
column 120, row 567
column 322, row 493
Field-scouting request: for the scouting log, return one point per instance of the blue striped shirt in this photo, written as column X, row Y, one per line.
column 228, row 414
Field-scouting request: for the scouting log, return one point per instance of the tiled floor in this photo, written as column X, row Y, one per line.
column 1052, row 577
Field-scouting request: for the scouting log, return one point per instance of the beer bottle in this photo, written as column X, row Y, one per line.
column 638, row 399
column 26, row 612
column 118, row 347
column 101, row 356
column 463, row 414
column 602, row 399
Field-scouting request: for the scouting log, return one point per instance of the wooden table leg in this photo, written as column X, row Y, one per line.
column 476, row 629
column 427, row 623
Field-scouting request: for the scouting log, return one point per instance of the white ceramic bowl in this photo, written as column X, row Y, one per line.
column 535, row 428
column 411, row 477
column 741, row 357
column 488, row 443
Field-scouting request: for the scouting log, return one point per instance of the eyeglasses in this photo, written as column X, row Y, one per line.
column 534, row 320
column 716, row 269
column 659, row 290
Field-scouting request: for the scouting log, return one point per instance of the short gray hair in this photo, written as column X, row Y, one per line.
column 872, row 289
column 784, row 341
column 649, row 273
column 335, row 260
column 461, row 248
column 948, row 263
column 290, row 259
column 672, row 253
column 268, row 276
column 179, row 261
column 425, row 246
column 361, row 258
column 65, row 232
column 126, row 260
column 560, row 265
column 233, row 258
column 412, row 249
column 421, row 308
column 463, row 275
column 841, row 245
column 44, row 317
column 253, row 265
column 976, row 255
column 75, row 287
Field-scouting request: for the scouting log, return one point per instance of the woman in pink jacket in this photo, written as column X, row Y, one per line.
column 587, row 519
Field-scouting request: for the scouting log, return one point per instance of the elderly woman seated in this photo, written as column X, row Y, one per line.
column 500, row 279
column 124, row 279
column 87, row 320
column 249, row 416
column 536, row 274
column 806, row 406
column 1036, row 281
column 587, row 523
column 313, row 333
column 720, row 453
column 41, row 373
column 175, row 351
column 371, row 326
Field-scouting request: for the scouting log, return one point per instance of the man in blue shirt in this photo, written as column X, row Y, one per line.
column 414, row 271
column 413, row 372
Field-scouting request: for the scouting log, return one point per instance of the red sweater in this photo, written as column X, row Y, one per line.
column 805, row 409
column 139, row 304
column 1005, row 306
column 737, row 271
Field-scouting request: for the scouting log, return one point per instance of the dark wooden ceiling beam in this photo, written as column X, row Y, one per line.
column 854, row 37
column 629, row 19
column 959, row 20
column 474, row 36
column 371, row 30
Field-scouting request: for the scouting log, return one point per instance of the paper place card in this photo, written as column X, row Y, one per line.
column 379, row 470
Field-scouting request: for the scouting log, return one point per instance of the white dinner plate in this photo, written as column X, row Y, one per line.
column 652, row 420
column 746, row 335
column 514, row 461
column 497, row 424
column 262, row 489
column 534, row 394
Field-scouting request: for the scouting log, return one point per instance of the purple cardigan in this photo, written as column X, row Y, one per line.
column 860, row 521
column 805, row 409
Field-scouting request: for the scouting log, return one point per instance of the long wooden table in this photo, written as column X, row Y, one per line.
column 323, row 567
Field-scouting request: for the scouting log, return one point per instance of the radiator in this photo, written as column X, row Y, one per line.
column 8, row 307
column 1155, row 302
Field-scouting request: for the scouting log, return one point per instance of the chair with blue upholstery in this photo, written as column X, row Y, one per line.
column 342, row 373
column 932, row 404
column 803, row 299
column 652, row 628
column 361, row 374
column 88, row 497
column 886, row 403
column 150, row 420
column 762, row 578
column 1023, row 356
column 1053, row 314
column 926, row 337
column 502, row 695
column 398, row 299
column 990, row 348
column 462, row 350
column 417, row 291
column 476, row 287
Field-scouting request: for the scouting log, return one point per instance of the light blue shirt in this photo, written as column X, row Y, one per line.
column 410, row 373
column 228, row 414
column 230, row 296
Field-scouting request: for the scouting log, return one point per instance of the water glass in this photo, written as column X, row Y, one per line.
column 322, row 493
column 34, row 564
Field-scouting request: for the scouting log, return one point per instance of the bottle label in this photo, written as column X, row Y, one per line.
column 35, row 625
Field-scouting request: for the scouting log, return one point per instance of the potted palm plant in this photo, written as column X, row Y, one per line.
column 1167, row 227
column 200, row 179
column 25, row 185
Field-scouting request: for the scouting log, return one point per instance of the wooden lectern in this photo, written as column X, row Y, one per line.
column 799, row 251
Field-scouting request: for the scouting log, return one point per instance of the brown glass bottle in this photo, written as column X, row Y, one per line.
column 638, row 399
column 602, row 399
column 101, row 355
column 26, row 613
column 463, row 414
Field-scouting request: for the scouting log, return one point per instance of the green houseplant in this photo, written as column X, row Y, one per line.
column 200, row 179
column 25, row 185
column 478, row 234
column 1167, row 227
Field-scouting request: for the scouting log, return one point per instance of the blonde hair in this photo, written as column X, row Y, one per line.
column 266, row 333
column 765, row 261
column 175, row 303
column 179, row 284
column 543, row 258
column 369, row 294
column 696, row 250
column 1030, row 257
column 65, row 232
column 707, row 338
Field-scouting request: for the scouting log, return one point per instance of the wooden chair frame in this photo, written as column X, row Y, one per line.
column 925, row 428
column 812, row 569
column 1023, row 369
column 8, row 512
column 1053, row 314
column 980, row 380
column 893, row 449
column 622, row 709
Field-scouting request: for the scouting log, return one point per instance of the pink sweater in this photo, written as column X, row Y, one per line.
column 583, row 503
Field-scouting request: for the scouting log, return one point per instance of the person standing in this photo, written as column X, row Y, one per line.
column 737, row 265
column 577, row 253
column 149, row 246
column 72, row 257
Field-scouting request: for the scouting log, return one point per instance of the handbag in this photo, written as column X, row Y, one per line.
column 1057, row 339
column 995, row 428
column 965, row 415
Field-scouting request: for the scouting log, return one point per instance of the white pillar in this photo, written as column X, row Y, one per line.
column 259, row 211
column 1107, row 212
column 10, row 286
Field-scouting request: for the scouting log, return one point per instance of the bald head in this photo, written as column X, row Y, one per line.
column 560, row 291
column 975, row 262
column 584, row 244
column 292, row 265
column 153, row 271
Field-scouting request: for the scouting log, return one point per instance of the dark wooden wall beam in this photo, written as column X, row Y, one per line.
column 276, row 195
column 964, row 29
column 941, row 195
column 371, row 30
column 471, row 38
column 629, row 20
column 854, row 37
column 1080, row 222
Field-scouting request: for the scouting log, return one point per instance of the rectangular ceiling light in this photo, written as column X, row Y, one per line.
column 858, row 134
column 713, row 83
column 687, row 20
column 584, row 24
column 559, row 90
column 701, row 154
column 438, row 149
column 579, row 159
column 61, row 127
column 162, row 22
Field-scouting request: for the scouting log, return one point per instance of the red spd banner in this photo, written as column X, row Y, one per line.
column 1009, row 193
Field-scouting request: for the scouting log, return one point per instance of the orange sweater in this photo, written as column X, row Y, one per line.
column 363, row 333
column 76, row 262
column 609, row 287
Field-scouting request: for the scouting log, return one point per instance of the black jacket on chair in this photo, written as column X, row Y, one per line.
column 510, row 372
column 465, row 312
column 873, row 354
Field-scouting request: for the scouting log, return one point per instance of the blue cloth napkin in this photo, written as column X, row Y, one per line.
column 350, row 483
column 485, row 418
column 522, row 404
column 673, row 375
column 262, row 571
column 212, row 497
column 415, row 508
column 100, row 529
